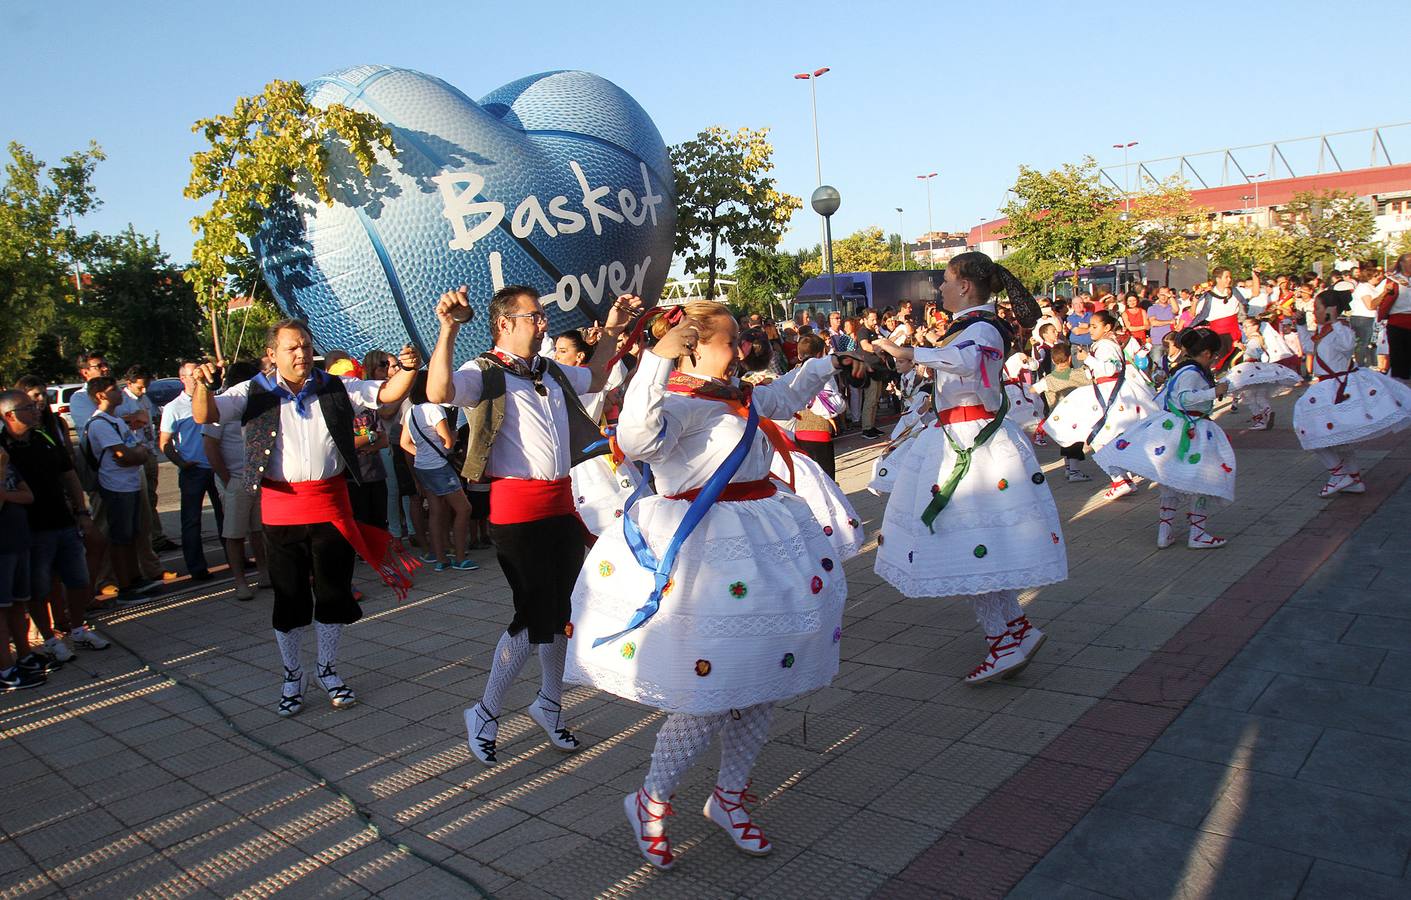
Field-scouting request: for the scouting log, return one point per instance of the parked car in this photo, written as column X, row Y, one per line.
column 59, row 397
column 163, row 391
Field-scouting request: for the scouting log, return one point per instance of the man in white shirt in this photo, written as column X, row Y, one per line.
column 522, row 437
column 119, row 458
column 1363, row 314
column 298, row 428
column 225, row 449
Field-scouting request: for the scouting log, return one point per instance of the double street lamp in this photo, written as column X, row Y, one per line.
column 1126, row 180
column 812, row 78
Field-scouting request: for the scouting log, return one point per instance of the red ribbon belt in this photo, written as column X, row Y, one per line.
column 312, row 502
column 971, row 413
column 1106, row 379
column 1339, row 377
column 735, row 490
column 514, row 501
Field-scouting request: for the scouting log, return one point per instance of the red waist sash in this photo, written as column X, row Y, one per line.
column 735, row 490
column 1106, row 379
column 312, row 502
column 514, row 501
column 971, row 413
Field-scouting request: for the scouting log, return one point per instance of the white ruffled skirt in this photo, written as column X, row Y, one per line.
column 1000, row 531
column 600, row 492
column 1261, row 374
column 1151, row 449
column 1075, row 415
column 1375, row 404
column 753, row 612
column 829, row 505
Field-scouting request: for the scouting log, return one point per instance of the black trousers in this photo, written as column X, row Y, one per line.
column 820, row 452
column 311, row 567
column 1072, row 451
column 369, row 501
column 1399, row 351
column 541, row 561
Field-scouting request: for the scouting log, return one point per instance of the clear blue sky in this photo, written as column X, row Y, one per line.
column 970, row 92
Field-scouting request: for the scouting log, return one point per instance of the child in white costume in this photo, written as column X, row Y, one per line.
column 1269, row 367
column 750, row 610
column 1118, row 399
column 1349, row 404
column 1179, row 447
column 969, row 511
column 1025, row 408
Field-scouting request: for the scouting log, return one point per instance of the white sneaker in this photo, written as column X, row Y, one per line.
column 56, row 648
column 481, row 729
column 645, row 816
column 727, row 809
column 548, row 715
column 1004, row 655
column 1117, row 489
column 86, row 638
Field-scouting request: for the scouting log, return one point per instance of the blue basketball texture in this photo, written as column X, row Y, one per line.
column 366, row 271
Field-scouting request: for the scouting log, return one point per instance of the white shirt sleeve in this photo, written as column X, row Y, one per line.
column 793, row 391
column 644, row 431
column 466, row 383
column 230, row 404
column 581, row 377
column 169, row 416
column 363, row 394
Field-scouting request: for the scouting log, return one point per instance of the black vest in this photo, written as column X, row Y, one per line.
column 261, row 424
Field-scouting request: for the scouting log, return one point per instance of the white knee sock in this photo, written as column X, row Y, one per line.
column 992, row 611
column 741, row 739
column 290, row 643
column 680, row 742
column 1329, row 457
column 510, row 654
column 551, row 660
column 329, row 637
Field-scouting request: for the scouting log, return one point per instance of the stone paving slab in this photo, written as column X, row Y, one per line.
column 124, row 783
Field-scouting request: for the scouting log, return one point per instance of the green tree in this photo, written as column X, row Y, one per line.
column 865, row 250
column 40, row 249
column 139, row 309
column 1066, row 216
column 1329, row 226
column 726, row 198
column 762, row 276
column 1243, row 248
column 270, row 146
column 1399, row 245
column 1168, row 223
column 1034, row 274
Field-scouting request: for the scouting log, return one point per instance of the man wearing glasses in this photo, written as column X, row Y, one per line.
column 59, row 517
column 519, row 408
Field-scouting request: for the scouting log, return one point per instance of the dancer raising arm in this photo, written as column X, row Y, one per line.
column 719, row 596
column 969, row 513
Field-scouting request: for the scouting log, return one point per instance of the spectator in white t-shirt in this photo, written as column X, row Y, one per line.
column 428, row 438
column 120, row 457
column 225, row 450
column 1363, row 314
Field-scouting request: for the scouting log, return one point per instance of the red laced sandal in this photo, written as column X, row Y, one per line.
column 1004, row 655
column 727, row 809
column 1164, row 537
column 1201, row 539
column 647, row 827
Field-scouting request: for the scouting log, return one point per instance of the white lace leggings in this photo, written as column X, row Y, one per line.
column 995, row 610
column 684, row 737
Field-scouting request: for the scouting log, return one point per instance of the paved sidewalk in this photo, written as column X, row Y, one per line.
column 896, row 779
column 1290, row 774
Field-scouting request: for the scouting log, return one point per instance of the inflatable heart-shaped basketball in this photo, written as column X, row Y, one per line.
column 559, row 181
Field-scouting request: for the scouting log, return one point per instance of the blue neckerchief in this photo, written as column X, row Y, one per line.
column 661, row 568
column 270, row 382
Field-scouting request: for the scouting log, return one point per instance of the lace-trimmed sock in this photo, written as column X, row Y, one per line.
column 680, row 742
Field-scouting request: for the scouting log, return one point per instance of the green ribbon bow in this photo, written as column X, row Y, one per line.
column 941, row 498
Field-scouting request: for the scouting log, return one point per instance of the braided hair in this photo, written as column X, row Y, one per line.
column 990, row 278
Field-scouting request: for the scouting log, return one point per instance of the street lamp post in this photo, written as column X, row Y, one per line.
column 901, row 230
column 930, row 230
column 1126, row 181
column 825, row 201
column 812, row 77
column 1255, row 179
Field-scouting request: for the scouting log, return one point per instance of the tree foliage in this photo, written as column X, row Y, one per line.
column 762, row 277
column 1066, row 216
column 725, row 197
column 139, row 308
column 1243, row 248
column 39, row 248
column 1168, row 223
column 1329, row 226
column 270, row 145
